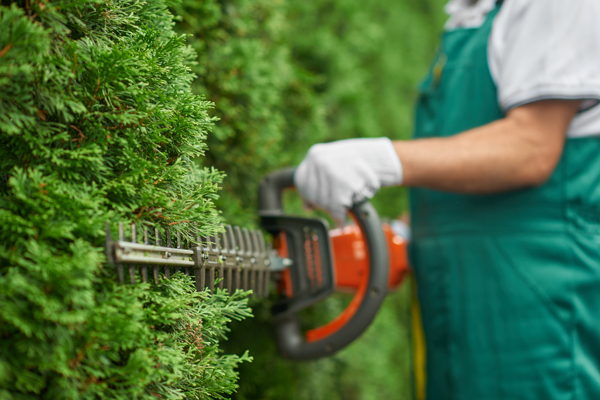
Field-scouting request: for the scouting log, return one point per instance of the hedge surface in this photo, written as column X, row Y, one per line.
column 285, row 75
column 98, row 124
column 268, row 112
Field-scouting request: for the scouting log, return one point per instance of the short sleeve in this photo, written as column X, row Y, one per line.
column 546, row 49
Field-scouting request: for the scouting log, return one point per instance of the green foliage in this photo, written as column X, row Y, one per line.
column 269, row 114
column 97, row 124
column 138, row 342
column 367, row 58
column 285, row 75
column 110, row 111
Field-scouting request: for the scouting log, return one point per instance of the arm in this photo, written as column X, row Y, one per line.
column 518, row 151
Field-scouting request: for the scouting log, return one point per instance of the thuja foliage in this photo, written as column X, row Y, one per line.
column 98, row 124
column 285, row 75
column 288, row 74
column 269, row 113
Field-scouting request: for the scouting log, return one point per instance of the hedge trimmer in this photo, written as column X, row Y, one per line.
column 307, row 262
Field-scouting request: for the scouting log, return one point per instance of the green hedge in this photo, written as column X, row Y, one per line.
column 285, row 75
column 268, row 113
column 97, row 124
column 288, row 74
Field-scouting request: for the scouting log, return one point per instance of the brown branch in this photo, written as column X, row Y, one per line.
column 140, row 213
column 179, row 222
column 5, row 49
column 81, row 135
column 41, row 114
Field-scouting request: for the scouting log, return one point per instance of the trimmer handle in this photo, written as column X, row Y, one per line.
column 270, row 195
column 354, row 320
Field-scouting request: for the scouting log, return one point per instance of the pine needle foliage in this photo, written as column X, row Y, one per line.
column 98, row 124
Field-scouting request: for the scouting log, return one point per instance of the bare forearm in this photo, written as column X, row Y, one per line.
column 519, row 151
column 484, row 160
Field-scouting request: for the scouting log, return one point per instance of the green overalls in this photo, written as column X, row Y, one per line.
column 509, row 284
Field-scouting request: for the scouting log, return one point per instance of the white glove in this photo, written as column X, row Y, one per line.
column 334, row 176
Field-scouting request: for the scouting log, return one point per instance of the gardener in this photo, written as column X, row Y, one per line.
column 504, row 171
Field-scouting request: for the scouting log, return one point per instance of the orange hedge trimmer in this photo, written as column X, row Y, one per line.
column 307, row 262
column 365, row 258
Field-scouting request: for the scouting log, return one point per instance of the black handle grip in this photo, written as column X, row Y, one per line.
column 290, row 339
column 271, row 188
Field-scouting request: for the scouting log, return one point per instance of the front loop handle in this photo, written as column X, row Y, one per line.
column 354, row 320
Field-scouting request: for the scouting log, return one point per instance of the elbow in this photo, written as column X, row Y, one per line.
column 540, row 129
column 539, row 156
column 538, row 170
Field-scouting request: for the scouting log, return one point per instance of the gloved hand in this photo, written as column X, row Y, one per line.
column 334, row 176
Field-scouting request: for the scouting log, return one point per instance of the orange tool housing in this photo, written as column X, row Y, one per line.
column 352, row 263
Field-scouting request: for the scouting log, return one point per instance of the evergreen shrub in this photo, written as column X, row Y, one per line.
column 98, row 124
column 285, row 75
column 268, row 112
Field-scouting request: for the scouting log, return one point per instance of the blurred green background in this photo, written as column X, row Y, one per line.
column 286, row 74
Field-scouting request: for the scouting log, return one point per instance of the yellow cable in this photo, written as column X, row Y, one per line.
column 419, row 349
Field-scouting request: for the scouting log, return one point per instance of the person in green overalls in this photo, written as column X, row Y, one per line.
column 504, row 171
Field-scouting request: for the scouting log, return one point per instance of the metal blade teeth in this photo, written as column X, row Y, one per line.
column 237, row 257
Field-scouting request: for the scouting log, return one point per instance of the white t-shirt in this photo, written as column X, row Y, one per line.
column 541, row 49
